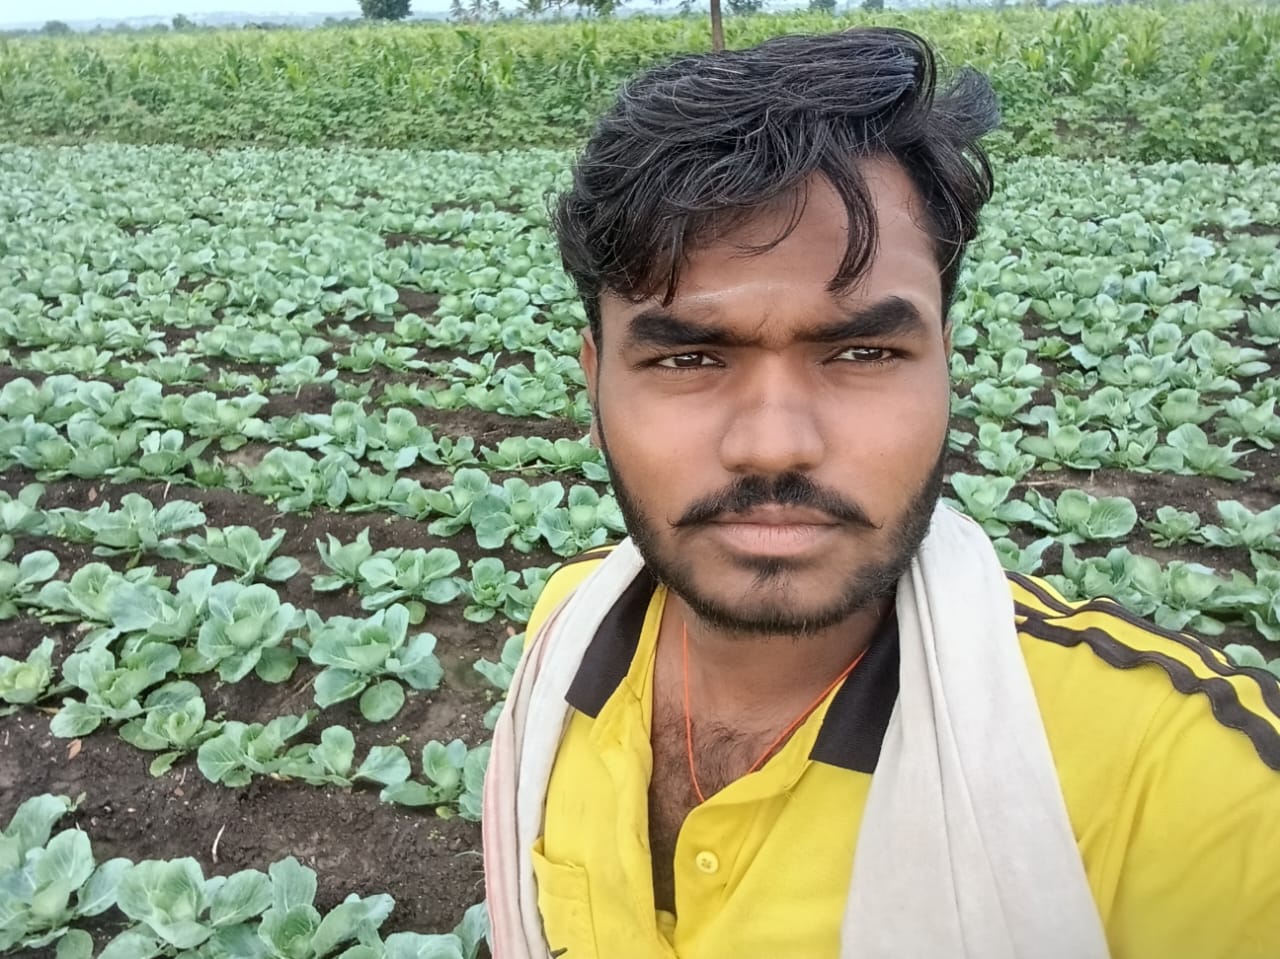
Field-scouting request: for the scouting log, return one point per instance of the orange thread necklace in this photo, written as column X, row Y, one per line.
column 688, row 718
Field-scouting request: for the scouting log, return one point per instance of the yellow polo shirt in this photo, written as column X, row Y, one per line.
column 1168, row 757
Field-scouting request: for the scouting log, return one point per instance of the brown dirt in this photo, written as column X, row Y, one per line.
column 357, row 844
column 174, row 337
column 394, row 240
column 10, row 373
column 416, row 301
column 354, row 842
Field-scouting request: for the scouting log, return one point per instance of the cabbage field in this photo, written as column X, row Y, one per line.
column 291, row 437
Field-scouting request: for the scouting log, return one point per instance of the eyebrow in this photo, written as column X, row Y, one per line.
column 889, row 318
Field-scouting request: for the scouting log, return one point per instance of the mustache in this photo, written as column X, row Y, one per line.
column 786, row 489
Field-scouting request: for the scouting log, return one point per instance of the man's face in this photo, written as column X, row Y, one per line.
column 777, row 449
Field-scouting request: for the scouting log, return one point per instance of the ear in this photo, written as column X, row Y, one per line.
column 946, row 340
column 589, row 357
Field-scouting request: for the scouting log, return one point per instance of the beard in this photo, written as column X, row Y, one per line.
column 862, row 586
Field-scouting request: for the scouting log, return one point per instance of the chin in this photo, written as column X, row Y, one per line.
column 772, row 608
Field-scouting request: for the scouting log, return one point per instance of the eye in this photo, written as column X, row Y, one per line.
column 685, row 361
column 866, row 355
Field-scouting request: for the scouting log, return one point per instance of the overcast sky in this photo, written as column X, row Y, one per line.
column 16, row 11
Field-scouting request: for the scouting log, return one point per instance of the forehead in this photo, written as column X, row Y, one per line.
column 725, row 279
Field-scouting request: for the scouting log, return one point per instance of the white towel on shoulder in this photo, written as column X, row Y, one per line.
column 965, row 850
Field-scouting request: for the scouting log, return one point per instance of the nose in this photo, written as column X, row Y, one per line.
column 773, row 424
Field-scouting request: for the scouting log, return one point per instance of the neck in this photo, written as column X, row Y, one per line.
column 736, row 672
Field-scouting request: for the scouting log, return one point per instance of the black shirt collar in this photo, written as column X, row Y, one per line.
column 852, row 730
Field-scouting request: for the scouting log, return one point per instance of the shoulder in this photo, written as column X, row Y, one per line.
column 563, row 582
column 1168, row 756
column 1096, row 656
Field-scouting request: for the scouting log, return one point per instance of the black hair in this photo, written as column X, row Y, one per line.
column 697, row 145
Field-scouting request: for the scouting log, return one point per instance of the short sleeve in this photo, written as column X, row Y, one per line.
column 1199, row 825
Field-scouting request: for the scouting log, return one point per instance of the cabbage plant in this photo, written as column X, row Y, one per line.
column 111, row 689
column 343, row 559
column 1242, row 527
column 454, row 776
column 401, row 439
column 137, row 526
column 47, row 881
column 488, row 589
column 997, row 451
column 1133, row 448
column 291, row 925
column 453, row 504
column 1177, row 407
column 520, row 602
column 418, row 576
column 146, row 611
column 18, row 581
column 231, row 420
column 1187, row 450
column 588, row 519
column 1178, row 596
column 241, row 751
column 510, row 514
column 172, row 722
column 369, row 658
column 330, row 762
column 367, row 353
column 499, row 674
column 520, row 453
column 162, row 454
column 451, row 452
column 174, row 907
column 22, row 513
column 239, row 548
column 1077, row 517
column 1264, row 611
column 986, row 500
column 89, row 595
column 25, row 681
column 995, row 402
column 245, row 629
column 1258, row 422
column 1068, row 446
column 1173, row 526
column 298, row 482
column 1017, row 559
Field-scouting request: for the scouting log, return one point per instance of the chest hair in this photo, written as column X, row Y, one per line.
column 721, row 754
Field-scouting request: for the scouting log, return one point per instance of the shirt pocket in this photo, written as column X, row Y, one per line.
column 564, row 901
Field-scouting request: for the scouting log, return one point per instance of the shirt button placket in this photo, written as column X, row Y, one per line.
column 708, row 863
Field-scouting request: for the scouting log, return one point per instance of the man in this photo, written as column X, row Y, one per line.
column 801, row 711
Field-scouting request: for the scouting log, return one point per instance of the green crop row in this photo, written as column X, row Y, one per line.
column 1113, row 363
column 1137, row 342
column 54, row 885
column 1197, row 80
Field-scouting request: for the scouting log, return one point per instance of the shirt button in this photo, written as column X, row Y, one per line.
column 707, row 862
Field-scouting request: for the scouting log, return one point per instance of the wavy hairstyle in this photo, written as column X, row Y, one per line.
column 694, row 147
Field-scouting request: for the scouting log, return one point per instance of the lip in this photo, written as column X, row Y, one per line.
column 774, row 532
column 776, row 516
